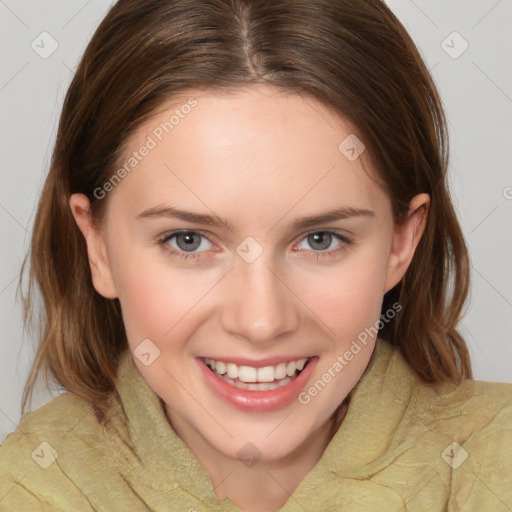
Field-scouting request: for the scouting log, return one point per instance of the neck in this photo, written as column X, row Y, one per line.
column 268, row 484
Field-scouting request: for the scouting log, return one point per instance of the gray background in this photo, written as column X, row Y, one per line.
column 476, row 88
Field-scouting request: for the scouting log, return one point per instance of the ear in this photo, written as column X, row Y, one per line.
column 102, row 277
column 406, row 237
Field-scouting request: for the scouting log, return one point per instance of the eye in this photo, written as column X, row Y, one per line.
column 187, row 244
column 325, row 244
column 184, row 244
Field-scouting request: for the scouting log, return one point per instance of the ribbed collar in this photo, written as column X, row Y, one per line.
column 379, row 407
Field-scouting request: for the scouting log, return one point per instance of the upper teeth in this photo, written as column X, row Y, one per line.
column 251, row 374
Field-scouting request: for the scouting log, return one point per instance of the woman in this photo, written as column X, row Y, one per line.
column 253, row 274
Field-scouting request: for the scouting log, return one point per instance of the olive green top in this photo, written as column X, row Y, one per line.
column 403, row 446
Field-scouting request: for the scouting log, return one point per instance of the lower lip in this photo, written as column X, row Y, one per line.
column 258, row 401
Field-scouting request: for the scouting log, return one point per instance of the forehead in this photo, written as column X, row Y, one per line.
column 258, row 145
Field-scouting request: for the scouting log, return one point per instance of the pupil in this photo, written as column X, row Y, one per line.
column 190, row 243
column 324, row 239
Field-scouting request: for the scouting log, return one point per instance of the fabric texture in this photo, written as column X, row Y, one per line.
column 403, row 446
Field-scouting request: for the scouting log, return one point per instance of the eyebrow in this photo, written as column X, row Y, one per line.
column 214, row 220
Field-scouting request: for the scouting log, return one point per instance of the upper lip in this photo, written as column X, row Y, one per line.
column 260, row 363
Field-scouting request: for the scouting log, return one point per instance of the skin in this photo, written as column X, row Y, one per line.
column 259, row 158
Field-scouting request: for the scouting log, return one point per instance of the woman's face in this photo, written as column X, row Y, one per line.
column 248, row 233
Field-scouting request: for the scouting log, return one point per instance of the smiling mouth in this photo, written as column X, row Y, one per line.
column 250, row 378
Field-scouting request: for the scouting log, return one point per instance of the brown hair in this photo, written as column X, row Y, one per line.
column 354, row 57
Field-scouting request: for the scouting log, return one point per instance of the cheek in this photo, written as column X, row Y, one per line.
column 348, row 297
column 153, row 296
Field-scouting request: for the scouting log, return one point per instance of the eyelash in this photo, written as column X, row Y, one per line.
column 182, row 255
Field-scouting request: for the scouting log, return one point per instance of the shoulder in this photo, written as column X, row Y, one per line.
column 38, row 460
column 471, row 424
column 465, row 413
column 470, row 407
column 465, row 408
column 452, row 441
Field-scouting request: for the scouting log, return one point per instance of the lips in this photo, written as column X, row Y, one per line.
column 247, row 392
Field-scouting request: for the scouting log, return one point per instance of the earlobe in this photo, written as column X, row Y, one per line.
column 101, row 272
column 406, row 238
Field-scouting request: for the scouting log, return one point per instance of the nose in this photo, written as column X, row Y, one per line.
column 260, row 306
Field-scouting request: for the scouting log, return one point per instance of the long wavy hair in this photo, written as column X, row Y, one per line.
column 353, row 56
